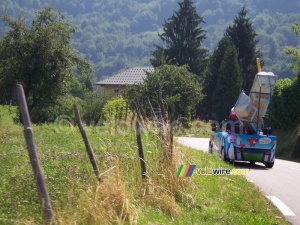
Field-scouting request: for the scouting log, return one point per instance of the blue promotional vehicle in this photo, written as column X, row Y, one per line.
column 247, row 137
column 245, row 147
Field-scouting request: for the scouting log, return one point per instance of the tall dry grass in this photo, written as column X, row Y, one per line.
column 122, row 195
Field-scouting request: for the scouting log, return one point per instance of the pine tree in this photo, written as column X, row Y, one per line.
column 211, row 74
column 182, row 38
column 228, row 85
column 243, row 36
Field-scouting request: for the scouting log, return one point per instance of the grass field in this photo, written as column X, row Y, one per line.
column 123, row 197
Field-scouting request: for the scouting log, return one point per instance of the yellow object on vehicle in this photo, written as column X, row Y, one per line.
column 250, row 109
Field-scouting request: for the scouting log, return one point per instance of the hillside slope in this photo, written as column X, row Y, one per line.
column 115, row 35
column 289, row 143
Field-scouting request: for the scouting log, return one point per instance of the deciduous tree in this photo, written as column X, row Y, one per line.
column 41, row 58
column 285, row 106
column 295, row 53
column 179, row 87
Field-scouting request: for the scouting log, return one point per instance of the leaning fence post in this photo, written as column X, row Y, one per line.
column 87, row 144
column 162, row 108
column 172, row 124
column 163, row 116
column 138, row 113
column 171, row 139
column 152, row 110
column 34, row 160
column 126, row 112
column 140, row 148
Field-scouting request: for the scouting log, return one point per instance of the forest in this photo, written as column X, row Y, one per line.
column 116, row 34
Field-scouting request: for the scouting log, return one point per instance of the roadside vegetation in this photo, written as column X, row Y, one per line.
column 288, row 143
column 41, row 57
column 123, row 197
column 197, row 128
column 285, row 107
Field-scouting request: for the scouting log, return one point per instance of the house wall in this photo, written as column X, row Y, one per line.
column 109, row 88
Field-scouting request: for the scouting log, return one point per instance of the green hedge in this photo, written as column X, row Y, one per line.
column 285, row 106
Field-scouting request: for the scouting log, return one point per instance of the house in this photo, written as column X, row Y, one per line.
column 115, row 83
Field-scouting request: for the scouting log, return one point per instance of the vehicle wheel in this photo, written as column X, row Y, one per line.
column 223, row 155
column 210, row 147
column 269, row 165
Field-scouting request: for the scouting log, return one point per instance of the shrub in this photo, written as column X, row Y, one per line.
column 115, row 108
column 285, row 106
column 64, row 106
column 92, row 108
column 180, row 90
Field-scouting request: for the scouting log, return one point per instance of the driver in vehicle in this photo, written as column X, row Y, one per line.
column 233, row 124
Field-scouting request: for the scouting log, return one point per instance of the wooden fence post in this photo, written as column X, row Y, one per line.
column 87, row 144
column 141, row 151
column 152, row 110
column 126, row 112
column 143, row 113
column 171, row 139
column 132, row 118
column 172, row 124
column 138, row 113
column 34, row 160
column 162, row 108
column 163, row 116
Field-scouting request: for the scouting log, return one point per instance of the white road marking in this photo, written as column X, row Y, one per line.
column 281, row 206
column 251, row 181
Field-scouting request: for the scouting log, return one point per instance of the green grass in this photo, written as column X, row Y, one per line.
column 197, row 128
column 228, row 199
column 7, row 114
column 289, row 143
column 123, row 197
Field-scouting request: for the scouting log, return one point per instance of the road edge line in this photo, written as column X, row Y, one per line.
column 284, row 209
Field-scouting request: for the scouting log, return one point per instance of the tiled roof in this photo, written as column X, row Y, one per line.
column 131, row 76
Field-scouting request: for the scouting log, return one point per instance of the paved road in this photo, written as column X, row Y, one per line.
column 281, row 184
column 196, row 143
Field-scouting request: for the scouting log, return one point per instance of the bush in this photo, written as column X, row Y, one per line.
column 115, row 108
column 92, row 108
column 285, row 106
column 180, row 90
column 64, row 106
